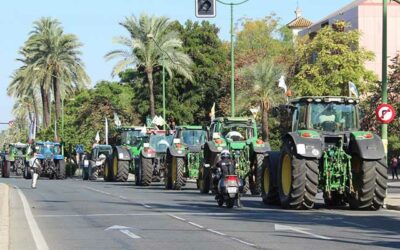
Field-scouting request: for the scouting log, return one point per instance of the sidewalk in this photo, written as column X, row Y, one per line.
column 4, row 216
column 392, row 200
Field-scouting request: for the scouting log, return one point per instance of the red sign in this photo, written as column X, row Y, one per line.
column 385, row 113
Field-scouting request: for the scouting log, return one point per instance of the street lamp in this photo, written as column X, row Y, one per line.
column 151, row 36
column 232, row 56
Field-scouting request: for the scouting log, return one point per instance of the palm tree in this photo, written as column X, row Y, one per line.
column 150, row 54
column 55, row 58
column 263, row 91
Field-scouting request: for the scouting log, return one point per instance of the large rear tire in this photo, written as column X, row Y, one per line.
column 146, row 171
column 60, row 166
column 204, row 180
column 93, row 173
column 255, row 179
column 369, row 178
column 269, row 192
column 177, row 168
column 120, row 169
column 6, row 169
column 298, row 179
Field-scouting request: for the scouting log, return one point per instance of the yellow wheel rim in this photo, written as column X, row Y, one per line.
column 266, row 180
column 173, row 170
column 115, row 165
column 286, row 174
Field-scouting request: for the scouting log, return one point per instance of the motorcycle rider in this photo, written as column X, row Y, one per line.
column 225, row 166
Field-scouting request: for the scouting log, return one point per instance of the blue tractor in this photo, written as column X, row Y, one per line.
column 51, row 160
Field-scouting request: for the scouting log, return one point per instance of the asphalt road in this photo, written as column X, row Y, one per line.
column 72, row 214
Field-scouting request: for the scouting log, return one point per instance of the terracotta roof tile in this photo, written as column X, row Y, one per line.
column 299, row 22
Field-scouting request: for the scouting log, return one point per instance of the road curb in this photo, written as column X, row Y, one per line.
column 392, row 207
column 4, row 217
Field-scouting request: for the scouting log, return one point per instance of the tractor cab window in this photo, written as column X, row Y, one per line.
column 160, row 142
column 131, row 137
column 238, row 132
column 56, row 150
column 333, row 117
column 299, row 117
column 194, row 137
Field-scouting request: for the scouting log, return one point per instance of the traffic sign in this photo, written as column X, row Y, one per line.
column 205, row 8
column 385, row 113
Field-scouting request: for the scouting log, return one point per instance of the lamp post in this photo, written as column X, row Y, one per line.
column 232, row 4
column 384, row 72
column 151, row 36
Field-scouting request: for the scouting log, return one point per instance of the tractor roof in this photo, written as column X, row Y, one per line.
column 129, row 128
column 189, row 127
column 19, row 145
column 326, row 99
column 48, row 143
column 233, row 119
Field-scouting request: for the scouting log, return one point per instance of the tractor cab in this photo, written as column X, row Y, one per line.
column 48, row 149
column 192, row 137
column 132, row 136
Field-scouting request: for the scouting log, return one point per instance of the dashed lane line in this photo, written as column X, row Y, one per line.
column 216, row 232
column 196, row 225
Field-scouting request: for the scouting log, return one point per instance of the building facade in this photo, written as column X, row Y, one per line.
column 366, row 16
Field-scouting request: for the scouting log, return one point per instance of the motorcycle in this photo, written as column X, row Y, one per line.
column 228, row 189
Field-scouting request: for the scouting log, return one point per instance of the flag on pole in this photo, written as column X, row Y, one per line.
column 282, row 83
column 106, row 131
column 97, row 138
column 255, row 111
column 117, row 121
column 353, row 90
column 212, row 113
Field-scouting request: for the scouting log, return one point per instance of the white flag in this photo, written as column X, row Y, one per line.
column 212, row 113
column 255, row 110
column 353, row 90
column 97, row 138
column 117, row 121
column 282, row 83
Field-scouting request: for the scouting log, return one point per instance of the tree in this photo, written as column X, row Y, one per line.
column 329, row 60
column 55, row 58
column 150, row 55
column 264, row 92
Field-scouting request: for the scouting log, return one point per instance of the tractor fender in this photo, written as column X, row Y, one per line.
column 123, row 153
column 173, row 151
column 213, row 148
column 147, row 156
column 305, row 147
column 368, row 149
column 261, row 149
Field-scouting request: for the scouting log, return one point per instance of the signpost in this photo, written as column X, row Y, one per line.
column 385, row 113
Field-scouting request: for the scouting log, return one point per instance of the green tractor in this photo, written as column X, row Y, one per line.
column 185, row 156
column 151, row 164
column 15, row 160
column 240, row 136
column 98, row 163
column 324, row 149
column 126, row 153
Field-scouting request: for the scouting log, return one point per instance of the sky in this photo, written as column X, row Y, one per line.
column 95, row 22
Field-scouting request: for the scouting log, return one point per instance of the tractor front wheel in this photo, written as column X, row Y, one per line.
column 60, row 166
column 204, row 179
column 146, row 171
column 369, row 179
column 107, row 172
column 255, row 178
column 297, row 179
column 269, row 192
column 120, row 169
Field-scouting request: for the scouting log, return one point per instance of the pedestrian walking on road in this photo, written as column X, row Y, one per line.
column 394, row 164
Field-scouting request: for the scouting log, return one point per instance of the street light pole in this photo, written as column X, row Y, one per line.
column 232, row 4
column 163, row 89
column 384, row 73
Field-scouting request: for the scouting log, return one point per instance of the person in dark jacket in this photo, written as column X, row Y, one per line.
column 226, row 166
column 394, row 164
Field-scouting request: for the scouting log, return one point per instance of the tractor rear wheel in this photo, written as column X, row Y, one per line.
column 107, row 172
column 6, row 169
column 369, row 183
column 204, row 179
column 269, row 192
column 176, row 173
column 60, row 166
column 255, row 179
column 120, row 169
column 297, row 179
column 94, row 172
column 146, row 171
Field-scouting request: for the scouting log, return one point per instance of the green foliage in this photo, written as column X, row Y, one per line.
column 328, row 61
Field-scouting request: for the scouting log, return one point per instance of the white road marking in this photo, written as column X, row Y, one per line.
column 242, row 241
column 36, row 233
column 216, row 232
column 146, row 206
column 95, row 215
column 353, row 224
column 177, row 217
column 99, row 191
column 124, row 230
column 279, row 227
column 123, row 198
column 196, row 225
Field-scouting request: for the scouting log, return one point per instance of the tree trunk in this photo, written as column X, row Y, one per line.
column 57, row 96
column 149, row 72
column 45, row 104
column 264, row 122
column 36, row 110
